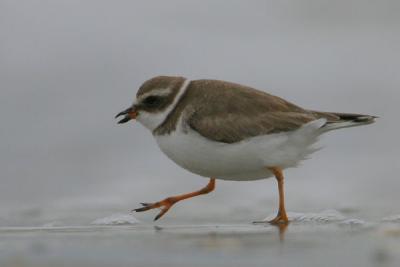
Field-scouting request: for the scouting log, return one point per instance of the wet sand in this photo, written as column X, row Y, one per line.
column 315, row 239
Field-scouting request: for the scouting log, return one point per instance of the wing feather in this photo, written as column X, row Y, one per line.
column 231, row 128
column 234, row 112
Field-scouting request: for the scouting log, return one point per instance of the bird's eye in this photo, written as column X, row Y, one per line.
column 151, row 101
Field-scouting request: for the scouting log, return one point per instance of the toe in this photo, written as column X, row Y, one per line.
column 165, row 205
column 279, row 220
column 147, row 206
column 162, row 212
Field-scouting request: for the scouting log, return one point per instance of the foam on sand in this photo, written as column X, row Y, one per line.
column 326, row 216
column 116, row 219
column 392, row 219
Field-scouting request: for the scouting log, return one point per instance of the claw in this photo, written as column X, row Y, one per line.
column 157, row 217
column 138, row 210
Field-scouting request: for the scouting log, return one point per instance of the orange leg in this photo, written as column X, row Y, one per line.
column 281, row 218
column 167, row 203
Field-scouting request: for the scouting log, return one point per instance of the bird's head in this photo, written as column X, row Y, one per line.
column 154, row 100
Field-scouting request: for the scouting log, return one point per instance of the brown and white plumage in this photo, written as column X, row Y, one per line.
column 230, row 131
column 234, row 112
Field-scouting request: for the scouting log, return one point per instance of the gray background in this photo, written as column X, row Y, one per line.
column 67, row 67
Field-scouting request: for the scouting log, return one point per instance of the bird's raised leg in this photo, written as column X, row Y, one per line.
column 281, row 218
column 167, row 203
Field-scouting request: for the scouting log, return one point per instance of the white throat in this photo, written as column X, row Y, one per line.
column 152, row 120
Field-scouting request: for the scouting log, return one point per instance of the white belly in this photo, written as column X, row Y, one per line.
column 245, row 160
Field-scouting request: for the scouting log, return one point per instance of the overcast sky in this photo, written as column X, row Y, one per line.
column 67, row 67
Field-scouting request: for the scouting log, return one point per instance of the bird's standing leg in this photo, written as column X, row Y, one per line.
column 281, row 218
column 167, row 203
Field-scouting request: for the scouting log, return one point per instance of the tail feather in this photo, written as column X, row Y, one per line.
column 344, row 120
column 356, row 117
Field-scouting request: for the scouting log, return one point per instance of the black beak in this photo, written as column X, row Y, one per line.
column 129, row 113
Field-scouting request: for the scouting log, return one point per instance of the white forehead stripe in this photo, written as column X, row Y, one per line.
column 155, row 92
column 152, row 120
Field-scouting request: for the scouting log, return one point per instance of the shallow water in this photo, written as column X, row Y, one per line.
column 328, row 238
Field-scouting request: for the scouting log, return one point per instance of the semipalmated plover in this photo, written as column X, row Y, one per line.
column 227, row 131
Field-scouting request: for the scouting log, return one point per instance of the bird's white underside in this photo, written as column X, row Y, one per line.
column 245, row 160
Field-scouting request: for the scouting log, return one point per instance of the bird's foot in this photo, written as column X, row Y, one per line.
column 278, row 220
column 164, row 205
